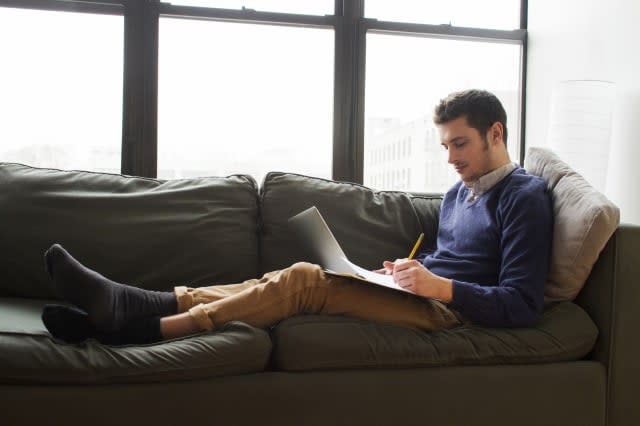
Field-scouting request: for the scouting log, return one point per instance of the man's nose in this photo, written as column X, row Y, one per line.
column 451, row 156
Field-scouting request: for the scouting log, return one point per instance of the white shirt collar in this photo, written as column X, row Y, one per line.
column 488, row 181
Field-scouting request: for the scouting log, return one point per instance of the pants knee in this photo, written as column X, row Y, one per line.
column 306, row 269
column 304, row 273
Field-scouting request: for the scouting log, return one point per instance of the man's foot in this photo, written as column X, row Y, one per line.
column 72, row 325
column 108, row 304
column 67, row 323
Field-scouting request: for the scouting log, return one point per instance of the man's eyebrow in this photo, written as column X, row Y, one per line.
column 454, row 140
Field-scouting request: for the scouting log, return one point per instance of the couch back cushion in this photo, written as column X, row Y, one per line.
column 147, row 232
column 370, row 225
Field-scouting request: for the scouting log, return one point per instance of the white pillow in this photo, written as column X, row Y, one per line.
column 584, row 220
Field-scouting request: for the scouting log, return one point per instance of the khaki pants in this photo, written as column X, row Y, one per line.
column 304, row 288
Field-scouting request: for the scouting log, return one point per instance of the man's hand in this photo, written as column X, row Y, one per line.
column 414, row 277
column 384, row 271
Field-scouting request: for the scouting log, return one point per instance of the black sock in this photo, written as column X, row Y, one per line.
column 109, row 305
column 137, row 332
column 67, row 323
column 72, row 325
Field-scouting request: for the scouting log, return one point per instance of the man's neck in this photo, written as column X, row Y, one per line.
column 489, row 180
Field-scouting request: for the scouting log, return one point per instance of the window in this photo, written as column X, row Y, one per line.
column 61, row 89
column 495, row 14
column 315, row 7
column 180, row 88
column 407, row 76
column 260, row 101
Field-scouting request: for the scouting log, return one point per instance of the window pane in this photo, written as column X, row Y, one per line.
column 406, row 78
column 315, row 7
column 61, row 89
column 241, row 98
column 495, row 14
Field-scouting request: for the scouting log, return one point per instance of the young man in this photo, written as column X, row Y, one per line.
column 492, row 257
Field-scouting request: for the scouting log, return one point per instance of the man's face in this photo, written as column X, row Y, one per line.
column 471, row 154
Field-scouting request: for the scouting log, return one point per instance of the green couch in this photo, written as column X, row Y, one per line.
column 576, row 367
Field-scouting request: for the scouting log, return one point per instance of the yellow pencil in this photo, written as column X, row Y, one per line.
column 415, row 247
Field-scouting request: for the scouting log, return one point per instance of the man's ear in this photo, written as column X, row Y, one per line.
column 496, row 133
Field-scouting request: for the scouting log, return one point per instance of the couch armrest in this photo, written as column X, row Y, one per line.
column 611, row 297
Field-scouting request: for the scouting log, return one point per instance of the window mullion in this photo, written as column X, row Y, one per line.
column 140, row 105
column 524, row 19
column 348, row 93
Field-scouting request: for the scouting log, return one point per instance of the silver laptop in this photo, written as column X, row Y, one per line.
column 318, row 238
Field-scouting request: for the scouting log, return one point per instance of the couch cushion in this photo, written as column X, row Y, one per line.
column 427, row 207
column 148, row 232
column 584, row 220
column 370, row 225
column 564, row 333
column 30, row 355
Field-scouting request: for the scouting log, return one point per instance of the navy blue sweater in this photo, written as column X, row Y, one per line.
column 496, row 250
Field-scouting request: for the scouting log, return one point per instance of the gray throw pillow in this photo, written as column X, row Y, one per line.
column 584, row 220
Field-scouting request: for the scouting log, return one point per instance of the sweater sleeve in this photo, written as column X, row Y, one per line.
column 517, row 299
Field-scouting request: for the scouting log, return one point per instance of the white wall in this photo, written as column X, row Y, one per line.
column 590, row 40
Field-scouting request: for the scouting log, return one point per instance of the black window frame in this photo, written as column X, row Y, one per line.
column 140, row 73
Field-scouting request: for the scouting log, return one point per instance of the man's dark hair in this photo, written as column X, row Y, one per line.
column 481, row 108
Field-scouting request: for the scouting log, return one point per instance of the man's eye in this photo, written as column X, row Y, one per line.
column 445, row 147
column 460, row 144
